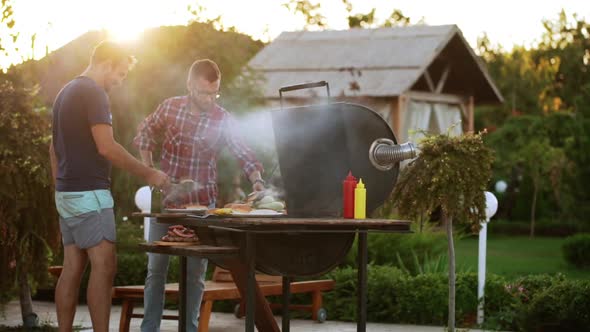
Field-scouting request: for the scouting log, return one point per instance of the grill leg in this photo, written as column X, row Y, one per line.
column 286, row 302
column 182, row 312
column 362, row 282
column 250, row 261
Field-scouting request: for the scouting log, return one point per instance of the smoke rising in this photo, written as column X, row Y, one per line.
column 177, row 193
column 311, row 135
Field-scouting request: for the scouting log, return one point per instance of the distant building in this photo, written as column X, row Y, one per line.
column 417, row 78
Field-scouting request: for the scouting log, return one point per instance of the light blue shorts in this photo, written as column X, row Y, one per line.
column 86, row 217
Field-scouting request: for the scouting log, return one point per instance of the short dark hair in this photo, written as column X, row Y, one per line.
column 204, row 68
column 108, row 50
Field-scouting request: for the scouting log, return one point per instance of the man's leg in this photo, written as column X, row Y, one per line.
column 155, row 281
column 103, row 264
column 196, row 269
column 68, row 286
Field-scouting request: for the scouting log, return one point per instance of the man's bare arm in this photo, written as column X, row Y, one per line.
column 146, row 157
column 115, row 153
column 53, row 162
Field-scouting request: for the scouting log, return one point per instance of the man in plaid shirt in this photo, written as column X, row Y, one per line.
column 193, row 130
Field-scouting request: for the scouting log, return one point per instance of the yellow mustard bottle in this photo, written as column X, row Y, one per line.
column 360, row 200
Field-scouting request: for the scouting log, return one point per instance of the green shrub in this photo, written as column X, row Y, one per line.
column 576, row 250
column 565, row 306
column 496, row 296
column 524, row 304
column 131, row 262
column 131, row 269
column 425, row 299
column 428, row 265
column 396, row 297
column 129, row 235
column 341, row 302
column 384, row 249
column 501, row 308
column 507, row 307
column 534, row 284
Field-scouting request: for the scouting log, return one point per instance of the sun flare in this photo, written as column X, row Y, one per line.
column 125, row 33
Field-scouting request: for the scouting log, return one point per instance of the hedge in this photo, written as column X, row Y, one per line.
column 532, row 303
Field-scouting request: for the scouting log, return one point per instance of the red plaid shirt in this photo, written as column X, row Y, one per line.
column 191, row 143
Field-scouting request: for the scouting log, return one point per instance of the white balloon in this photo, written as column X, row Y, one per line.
column 501, row 186
column 143, row 199
column 491, row 205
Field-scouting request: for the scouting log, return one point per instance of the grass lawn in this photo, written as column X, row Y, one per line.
column 517, row 256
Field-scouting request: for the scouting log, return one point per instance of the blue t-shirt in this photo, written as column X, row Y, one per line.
column 79, row 105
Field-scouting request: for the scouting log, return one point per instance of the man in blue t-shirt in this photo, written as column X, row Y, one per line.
column 82, row 151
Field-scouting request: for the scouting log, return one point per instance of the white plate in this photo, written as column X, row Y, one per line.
column 187, row 210
column 259, row 213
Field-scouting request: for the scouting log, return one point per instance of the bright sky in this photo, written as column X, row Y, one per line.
column 56, row 22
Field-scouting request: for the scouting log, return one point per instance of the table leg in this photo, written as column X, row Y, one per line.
column 286, row 302
column 264, row 319
column 182, row 309
column 362, row 282
column 250, row 262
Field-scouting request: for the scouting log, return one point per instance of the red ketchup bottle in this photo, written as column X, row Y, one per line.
column 348, row 186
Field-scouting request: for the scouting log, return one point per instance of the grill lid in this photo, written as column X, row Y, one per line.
column 318, row 144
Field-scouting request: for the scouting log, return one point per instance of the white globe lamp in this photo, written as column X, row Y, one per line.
column 491, row 205
column 143, row 201
column 501, row 186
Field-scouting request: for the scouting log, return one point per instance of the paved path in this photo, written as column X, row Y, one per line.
column 220, row 322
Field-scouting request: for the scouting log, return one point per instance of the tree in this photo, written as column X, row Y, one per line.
column 567, row 42
column 397, row 18
column 544, row 164
column 6, row 24
column 554, row 76
column 550, row 82
column 538, row 146
column 6, row 19
column 525, row 81
column 28, row 228
column 361, row 20
column 198, row 13
column 451, row 173
column 310, row 12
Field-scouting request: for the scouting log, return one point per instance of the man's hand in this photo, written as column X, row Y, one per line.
column 158, row 179
column 256, row 180
column 258, row 186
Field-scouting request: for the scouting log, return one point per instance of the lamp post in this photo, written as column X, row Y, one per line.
column 501, row 186
column 143, row 201
column 491, row 208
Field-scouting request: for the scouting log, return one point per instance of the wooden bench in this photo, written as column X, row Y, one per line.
column 222, row 287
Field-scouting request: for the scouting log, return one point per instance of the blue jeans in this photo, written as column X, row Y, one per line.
column 153, row 299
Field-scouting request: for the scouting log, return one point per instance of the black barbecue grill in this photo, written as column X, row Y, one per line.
column 317, row 145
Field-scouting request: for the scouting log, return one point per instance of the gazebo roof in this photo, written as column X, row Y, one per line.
column 382, row 62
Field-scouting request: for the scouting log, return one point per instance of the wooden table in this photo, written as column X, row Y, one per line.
column 242, row 265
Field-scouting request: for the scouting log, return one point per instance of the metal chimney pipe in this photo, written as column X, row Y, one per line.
column 385, row 154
